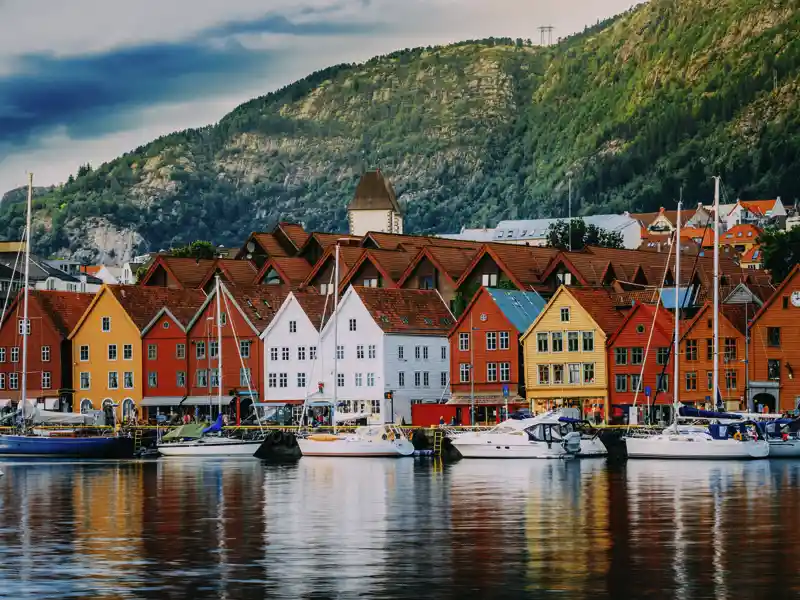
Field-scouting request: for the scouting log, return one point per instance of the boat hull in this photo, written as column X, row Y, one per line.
column 695, row 447
column 356, row 448
column 784, row 449
column 243, row 448
column 66, row 447
column 592, row 447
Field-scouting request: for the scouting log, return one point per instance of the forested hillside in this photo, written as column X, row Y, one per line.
column 632, row 109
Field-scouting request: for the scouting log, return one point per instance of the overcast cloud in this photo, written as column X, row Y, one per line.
column 87, row 80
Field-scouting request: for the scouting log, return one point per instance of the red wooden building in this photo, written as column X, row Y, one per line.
column 631, row 366
column 486, row 356
column 52, row 315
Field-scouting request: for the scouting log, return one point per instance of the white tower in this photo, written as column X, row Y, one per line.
column 374, row 206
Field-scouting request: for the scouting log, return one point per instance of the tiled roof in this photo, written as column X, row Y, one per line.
column 392, row 241
column 64, row 309
column 326, row 240
column 295, row 232
column 188, row 272
column 759, row 207
column 737, row 314
column 738, row 234
column 413, row 312
column 259, row 303
column 348, row 257
column 524, row 263
column 663, row 321
column 520, row 308
column 315, row 306
column 237, row 272
column 391, row 263
column 269, row 244
column 753, row 255
column 143, row 303
column 293, row 270
column 702, row 235
column 599, row 303
column 374, row 192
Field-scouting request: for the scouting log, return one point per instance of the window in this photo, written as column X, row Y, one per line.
column 358, row 380
column 588, row 372
column 621, row 383
column 463, row 372
column 292, row 326
column 662, row 356
column 85, row 380
column 426, row 379
column 574, row 371
column 13, row 381
column 352, row 324
column 372, row 351
column 504, row 340
column 444, row 352
column 2, row 355
column 662, row 382
column 417, row 378
column 301, row 380
column 244, row 348
column 152, row 379
column 339, row 352
column 301, row 353
column 691, row 381
column 45, row 354
column 152, row 352
column 424, row 353
column 636, row 383
column 401, row 379
column 637, row 356
column 572, row 341
column 709, row 349
column 730, row 379
column 283, row 380
column 491, row 340
column 15, row 354
column 201, row 377
column 244, row 377
column 730, row 349
column 285, row 353
column 463, row 341
column 127, row 352
column 489, row 279
column 785, row 302
column 113, row 380
column 165, row 325
column 565, row 314
column 200, row 350
column 106, row 324
column 541, row 342
column 417, row 352
column 709, row 380
column 621, row 356
column 588, row 341
column 213, row 348
column 112, row 352
column 21, row 329
column 691, row 349
column 443, row 379
column 180, row 351
column 2, row 381
column 558, row 374
column 340, row 380
column 543, row 372
column 774, row 337
column 312, row 352
column 214, row 378
column 180, row 379
column 46, row 380
column 272, row 380
column 371, row 283
column 491, row 372
column 273, row 353
column 505, row 371
column 359, row 352
column 773, row 368
column 558, row 341
column 127, row 380
column 400, row 353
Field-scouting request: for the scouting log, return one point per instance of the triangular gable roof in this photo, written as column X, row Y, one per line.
column 524, row 265
column 236, row 272
column 293, row 232
column 450, row 262
column 390, row 264
column 189, row 273
column 63, row 309
column 410, row 312
column 732, row 313
column 795, row 270
column 519, row 308
column 662, row 316
column 374, row 192
column 596, row 302
column 348, row 256
column 315, row 307
column 182, row 309
column 326, row 240
column 258, row 304
column 561, row 259
column 264, row 240
column 292, row 270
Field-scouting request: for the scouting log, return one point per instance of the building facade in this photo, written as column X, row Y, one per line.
column 374, row 206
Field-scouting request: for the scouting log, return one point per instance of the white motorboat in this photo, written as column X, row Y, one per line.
column 542, row 436
column 218, row 446
column 694, row 443
column 369, row 441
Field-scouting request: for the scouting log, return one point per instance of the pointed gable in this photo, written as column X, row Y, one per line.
column 519, row 308
column 388, row 264
column 291, row 271
column 374, row 192
column 179, row 273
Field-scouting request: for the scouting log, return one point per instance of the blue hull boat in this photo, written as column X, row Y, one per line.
column 66, row 447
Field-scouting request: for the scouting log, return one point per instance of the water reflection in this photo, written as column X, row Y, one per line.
column 332, row 528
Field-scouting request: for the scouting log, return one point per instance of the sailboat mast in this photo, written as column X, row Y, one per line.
column 219, row 347
column 675, row 351
column 335, row 335
column 25, row 326
column 716, row 293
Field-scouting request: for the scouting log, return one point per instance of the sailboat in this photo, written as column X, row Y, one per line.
column 67, row 441
column 194, row 440
column 369, row 441
column 717, row 441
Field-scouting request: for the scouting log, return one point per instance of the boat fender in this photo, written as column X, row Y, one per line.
column 410, row 435
column 383, row 436
column 737, row 436
column 391, row 436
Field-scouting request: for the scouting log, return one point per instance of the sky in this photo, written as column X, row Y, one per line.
column 87, row 80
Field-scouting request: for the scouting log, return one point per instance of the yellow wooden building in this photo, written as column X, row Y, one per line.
column 565, row 351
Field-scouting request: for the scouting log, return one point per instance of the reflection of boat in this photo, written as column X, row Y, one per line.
column 373, row 440
column 548, row 435
column 198, row 440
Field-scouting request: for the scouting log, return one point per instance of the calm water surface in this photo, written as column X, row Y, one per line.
column 345, row 528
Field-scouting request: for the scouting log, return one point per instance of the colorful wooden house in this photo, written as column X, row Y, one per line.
column 565, row 351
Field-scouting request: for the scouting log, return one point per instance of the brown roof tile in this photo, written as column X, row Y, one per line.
column 143, row 303
column 259, row 303
column 293, row 270
column 295, row 232
column 315, row 306
column 413, row 312
column 189, row 272
column 65, row 309
column 270, row 244
column 374, row 192
column 237, row 272
column 599, row 303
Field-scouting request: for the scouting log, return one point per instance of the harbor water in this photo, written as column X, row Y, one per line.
column 382, row 528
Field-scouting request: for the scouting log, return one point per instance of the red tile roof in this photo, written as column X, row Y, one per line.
column 523, row 264
column 348, row 257
column 758, row 207
column 292, row 270
column 451, row 262
column 187, row 272
column 237, row 272
column 295, row 233
column 390, row 263
column 393, row 241
column 739, row 234
column 259, row 303
column 269, row 244
column 143, row 303
column 316, row 306
column 413, row 312
column 600, row 305
column 63, row 309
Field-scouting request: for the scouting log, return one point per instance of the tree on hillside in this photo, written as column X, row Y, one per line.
column 560, row 234
column 781, row 252
column 197, row 249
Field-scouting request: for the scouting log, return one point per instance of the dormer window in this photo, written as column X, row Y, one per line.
column 565, row 314
column 489, row 279
column 106, row 324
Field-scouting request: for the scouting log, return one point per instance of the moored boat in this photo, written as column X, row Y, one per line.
column 76, row 446
column 368, row 441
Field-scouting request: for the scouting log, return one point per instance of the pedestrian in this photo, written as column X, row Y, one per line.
column 441, row 420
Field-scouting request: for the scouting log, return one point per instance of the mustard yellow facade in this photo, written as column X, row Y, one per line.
column 107, row 358
column 565, row 357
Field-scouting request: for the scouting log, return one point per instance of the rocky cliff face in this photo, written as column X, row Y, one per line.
column 632, row 110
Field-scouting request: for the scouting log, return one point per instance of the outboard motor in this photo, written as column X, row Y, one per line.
column 572, row 442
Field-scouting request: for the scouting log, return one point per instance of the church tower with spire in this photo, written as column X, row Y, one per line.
column 374, row 206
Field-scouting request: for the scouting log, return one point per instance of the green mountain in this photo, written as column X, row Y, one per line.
column 633, row 109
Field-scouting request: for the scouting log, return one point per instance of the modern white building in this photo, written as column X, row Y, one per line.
column 753, row 212
column 388, row 351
